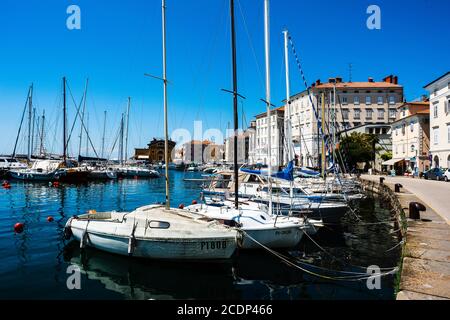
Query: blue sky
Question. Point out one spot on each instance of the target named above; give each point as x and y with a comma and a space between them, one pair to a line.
121, 40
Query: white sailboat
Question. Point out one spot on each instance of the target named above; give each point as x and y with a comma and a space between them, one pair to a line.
259, 226
156, 231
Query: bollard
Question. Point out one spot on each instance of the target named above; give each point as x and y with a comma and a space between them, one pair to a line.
381, 180
414, 210
398, 186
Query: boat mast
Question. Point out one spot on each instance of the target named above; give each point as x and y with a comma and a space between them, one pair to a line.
288, 124
235, 107
166, 124
323, 138
87, 134
41, 149
82, 119
268, 103
103, 138
33, 121
121, 140
30, 111
64, 121
128, 124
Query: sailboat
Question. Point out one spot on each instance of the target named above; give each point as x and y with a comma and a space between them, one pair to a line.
258, 225
156, 231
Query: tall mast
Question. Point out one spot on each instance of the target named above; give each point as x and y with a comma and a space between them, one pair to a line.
82, 118
288, 124
323, 165
288, 97
128, 125
121, 140
64, 121
87, 134
103, 138
41, 149
166, 124
33, 131
30, 116
268, 103
235, 106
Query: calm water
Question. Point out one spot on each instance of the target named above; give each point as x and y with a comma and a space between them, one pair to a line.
33, 264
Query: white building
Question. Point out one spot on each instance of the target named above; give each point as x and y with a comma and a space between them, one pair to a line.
258, 143
357, 104
410, 138
439, 91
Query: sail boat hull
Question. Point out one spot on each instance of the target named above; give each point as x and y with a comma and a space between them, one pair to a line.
278, 238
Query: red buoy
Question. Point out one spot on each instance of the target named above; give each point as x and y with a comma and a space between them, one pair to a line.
6, 186
194, 202
50, 219
18, 227
56, 184
181, 206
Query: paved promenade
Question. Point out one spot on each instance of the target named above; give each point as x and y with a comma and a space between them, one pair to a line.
435, 194
426, 257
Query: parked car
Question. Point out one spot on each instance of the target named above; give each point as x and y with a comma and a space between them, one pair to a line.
447, 175
434, 174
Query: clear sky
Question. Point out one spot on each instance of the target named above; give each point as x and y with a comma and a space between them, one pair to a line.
120, 40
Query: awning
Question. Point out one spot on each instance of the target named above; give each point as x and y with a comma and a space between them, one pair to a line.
391, 162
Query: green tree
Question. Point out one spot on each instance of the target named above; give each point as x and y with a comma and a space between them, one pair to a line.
386, 156
358, 147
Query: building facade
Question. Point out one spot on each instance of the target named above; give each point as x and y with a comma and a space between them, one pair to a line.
244, 144
411, 138
154, 153
439, 91
258, 141
200, 152
357, 104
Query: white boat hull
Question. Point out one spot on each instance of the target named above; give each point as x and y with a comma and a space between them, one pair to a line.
271, 238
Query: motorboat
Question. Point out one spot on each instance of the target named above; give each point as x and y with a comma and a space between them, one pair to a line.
154, 232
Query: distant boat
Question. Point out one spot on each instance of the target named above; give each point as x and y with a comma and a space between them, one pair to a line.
102, 174
135, 171
41, 170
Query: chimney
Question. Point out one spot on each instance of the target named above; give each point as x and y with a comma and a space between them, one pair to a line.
425, 98
338, 80
313, 85
389, 79
370, 80
318, 82
395, 80
332, 80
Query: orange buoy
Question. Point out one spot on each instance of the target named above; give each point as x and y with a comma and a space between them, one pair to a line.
194, 201
181, 206
18, 227
6, 186
50, 219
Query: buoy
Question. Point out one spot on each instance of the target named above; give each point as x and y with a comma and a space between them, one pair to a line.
56, 184
194, 202
50, 219
7, 186
18, 227
181, 206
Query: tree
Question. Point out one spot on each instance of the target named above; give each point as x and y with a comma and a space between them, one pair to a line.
358, 147
386, 156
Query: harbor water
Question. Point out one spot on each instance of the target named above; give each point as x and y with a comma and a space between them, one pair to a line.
34, 264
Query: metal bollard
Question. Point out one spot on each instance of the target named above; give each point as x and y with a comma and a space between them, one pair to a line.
414, 210
398, 186
381, 180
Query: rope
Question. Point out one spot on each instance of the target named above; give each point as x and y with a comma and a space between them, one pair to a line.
292, 264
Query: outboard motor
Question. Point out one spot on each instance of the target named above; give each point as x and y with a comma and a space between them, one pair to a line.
414, 210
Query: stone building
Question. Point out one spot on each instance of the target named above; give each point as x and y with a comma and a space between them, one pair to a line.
154, 153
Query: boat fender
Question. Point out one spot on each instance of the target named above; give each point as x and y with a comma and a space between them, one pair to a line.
240, 238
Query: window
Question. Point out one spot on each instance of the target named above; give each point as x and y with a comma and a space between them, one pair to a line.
369, 114
447, 105
411, 126
380, 100
380, 114
357, 114
391, 100
403, 112
413, 148
396, 131
356, 100
345, 114
403, 129
436, 136
344, 100
159, 224
403, 148
368, 100
448, 133
435, 110
392, 113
